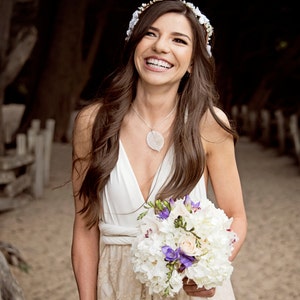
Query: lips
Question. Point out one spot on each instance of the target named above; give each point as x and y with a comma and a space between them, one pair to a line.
158, 64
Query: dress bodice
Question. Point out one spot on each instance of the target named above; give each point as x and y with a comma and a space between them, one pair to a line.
122, 199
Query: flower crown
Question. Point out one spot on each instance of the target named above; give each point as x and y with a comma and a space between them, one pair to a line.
203, 20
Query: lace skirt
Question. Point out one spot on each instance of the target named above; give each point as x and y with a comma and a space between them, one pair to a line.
116, 279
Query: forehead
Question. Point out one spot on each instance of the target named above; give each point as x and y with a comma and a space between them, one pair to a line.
174, 22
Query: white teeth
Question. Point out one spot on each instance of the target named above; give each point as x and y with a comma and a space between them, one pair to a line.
158, 63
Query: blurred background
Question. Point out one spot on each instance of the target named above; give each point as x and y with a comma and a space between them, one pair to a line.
54, 54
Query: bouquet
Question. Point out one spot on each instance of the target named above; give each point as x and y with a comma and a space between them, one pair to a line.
180, 239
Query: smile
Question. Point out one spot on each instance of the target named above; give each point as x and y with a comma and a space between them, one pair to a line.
157, 63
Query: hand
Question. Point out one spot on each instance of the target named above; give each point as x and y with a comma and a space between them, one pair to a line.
190, 287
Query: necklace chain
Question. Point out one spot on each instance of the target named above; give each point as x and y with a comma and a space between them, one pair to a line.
152, 128
154, 139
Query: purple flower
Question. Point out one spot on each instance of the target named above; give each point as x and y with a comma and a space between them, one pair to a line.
171, 201
170, 254
185, 260
164, 214
190, 205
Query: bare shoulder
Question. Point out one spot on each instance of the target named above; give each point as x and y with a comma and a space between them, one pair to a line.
82, 131
86, 116
209, 120
211, 130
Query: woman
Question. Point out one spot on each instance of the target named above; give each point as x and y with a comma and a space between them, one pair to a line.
155, 133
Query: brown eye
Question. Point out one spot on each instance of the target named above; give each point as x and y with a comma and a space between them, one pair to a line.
150, 33
180, 41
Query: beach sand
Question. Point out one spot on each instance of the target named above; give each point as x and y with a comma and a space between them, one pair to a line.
268, 266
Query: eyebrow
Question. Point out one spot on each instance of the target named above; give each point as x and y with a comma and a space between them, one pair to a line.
173, 33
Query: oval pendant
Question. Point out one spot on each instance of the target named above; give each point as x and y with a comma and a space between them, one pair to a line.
155, 140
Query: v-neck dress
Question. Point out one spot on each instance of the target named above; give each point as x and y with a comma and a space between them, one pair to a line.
122, 203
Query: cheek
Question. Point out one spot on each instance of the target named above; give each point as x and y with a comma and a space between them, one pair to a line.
186, 59
136, 59
140, 48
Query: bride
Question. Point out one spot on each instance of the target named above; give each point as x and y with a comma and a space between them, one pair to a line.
156, 132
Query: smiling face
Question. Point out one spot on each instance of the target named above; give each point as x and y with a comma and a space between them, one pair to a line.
164, 54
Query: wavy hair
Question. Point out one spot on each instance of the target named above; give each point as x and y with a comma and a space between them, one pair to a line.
197, 94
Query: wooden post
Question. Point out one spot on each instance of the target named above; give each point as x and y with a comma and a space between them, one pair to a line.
48, 139
294, 129
244, 116
21, 144
31, 137
252, 124
280, 123
50, 125
38, 187
36, 125
235, 113
265, 125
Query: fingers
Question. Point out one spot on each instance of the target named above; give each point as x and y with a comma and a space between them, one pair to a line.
190, 287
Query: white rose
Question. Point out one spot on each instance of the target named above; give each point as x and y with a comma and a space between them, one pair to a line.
188, 245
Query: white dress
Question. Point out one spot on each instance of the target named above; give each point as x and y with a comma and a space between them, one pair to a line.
122, 203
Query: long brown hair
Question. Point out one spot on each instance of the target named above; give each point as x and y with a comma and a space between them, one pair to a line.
197, 94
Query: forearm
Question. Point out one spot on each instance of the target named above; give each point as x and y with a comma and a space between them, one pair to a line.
85, 259
86, 278
239, 226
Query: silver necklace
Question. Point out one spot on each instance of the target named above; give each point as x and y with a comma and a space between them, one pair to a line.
154, 139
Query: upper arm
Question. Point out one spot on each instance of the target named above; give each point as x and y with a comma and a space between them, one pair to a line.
82, 146
221, 165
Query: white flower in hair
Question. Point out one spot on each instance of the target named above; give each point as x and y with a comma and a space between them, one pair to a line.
203, 20
132, 23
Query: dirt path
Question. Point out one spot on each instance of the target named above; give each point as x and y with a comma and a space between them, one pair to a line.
267, 267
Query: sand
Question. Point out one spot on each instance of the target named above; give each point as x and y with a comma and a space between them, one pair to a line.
268, 266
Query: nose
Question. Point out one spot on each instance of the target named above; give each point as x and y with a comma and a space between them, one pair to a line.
161, 45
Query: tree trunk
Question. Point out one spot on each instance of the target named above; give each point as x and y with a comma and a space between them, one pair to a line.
6, 7
2, 150
66, 69
13, 56
9, 287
